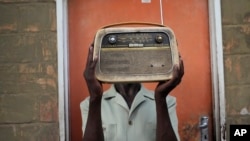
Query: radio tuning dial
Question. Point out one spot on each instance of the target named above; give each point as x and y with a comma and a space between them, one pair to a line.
112, 39
159, 39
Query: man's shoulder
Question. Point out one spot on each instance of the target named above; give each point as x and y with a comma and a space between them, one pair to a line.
171, 100
85, 103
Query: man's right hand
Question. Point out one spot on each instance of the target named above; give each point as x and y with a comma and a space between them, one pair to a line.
94, 85
93, 130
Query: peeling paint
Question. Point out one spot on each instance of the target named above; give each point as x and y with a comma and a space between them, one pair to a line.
52, 14
14, 130
26, 68
48, 110
230, 44
51, 82
245, 29
228, 64
51, 71
8, 27
247, 17
46, 53
42, 82
238, 70
245, 111
190, 131
32, 28
46, 81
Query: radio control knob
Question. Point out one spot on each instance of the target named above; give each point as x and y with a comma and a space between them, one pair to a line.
159, 39
112, 39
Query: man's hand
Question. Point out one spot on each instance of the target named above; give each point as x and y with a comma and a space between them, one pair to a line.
93, 130
164, 87
94, 85
164, 129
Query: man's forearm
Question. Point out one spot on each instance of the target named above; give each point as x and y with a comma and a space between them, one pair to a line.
93, 130
164, 129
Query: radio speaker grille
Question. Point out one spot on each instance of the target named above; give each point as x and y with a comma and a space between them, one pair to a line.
146, 61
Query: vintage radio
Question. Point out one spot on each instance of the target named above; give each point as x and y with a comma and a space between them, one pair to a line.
135, 54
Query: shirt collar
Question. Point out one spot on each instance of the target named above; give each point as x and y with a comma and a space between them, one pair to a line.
111, 93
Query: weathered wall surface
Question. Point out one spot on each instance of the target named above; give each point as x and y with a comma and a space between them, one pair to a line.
236, 43
28, 71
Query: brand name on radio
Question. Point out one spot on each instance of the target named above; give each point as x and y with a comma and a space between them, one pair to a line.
135, 45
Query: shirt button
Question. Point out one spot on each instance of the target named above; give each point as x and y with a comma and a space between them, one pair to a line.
130, 122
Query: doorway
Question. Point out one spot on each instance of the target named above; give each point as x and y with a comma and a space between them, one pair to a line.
188, 19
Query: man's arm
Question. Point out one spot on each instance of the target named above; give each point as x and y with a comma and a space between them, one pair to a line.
164, 129
93, 130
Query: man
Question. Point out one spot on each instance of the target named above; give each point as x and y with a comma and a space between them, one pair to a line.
128, 111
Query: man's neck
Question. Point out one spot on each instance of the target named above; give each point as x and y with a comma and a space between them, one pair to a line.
128, 91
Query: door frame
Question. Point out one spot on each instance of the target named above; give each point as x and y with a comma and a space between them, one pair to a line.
217, 69
63, 69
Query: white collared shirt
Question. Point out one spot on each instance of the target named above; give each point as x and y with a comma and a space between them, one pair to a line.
135, 124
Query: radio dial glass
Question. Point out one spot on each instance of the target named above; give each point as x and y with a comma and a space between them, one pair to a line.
112, 39
142, 39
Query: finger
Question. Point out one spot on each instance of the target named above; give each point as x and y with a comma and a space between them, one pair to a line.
93, 63
176, 70
172, 80
180, 72
176, 75
181, 68
90, 56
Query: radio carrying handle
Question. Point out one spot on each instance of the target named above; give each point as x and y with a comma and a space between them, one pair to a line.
134, 23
